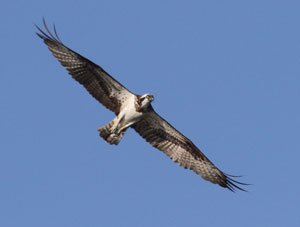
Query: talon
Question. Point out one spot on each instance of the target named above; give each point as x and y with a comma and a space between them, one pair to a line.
114, 131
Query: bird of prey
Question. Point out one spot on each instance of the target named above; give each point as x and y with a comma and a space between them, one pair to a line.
134, 111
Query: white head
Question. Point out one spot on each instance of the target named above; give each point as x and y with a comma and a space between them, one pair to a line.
145, 100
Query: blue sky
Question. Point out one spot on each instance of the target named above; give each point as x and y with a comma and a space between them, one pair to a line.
225, 73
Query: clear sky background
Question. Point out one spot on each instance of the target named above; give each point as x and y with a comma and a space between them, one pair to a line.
225, 73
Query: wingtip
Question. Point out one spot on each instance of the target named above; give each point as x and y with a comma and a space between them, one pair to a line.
47, 35
232, 184
39, 35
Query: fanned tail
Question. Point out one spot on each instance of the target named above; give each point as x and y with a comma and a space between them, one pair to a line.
108, 136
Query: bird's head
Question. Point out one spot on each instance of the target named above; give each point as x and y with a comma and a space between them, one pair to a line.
148, 97
145, 100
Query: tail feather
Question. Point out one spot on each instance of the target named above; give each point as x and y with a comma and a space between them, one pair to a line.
111, 138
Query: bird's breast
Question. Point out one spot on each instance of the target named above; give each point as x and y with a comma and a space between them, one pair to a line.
130, 113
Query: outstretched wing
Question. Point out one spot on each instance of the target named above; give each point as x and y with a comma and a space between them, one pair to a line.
160, 134
99, 83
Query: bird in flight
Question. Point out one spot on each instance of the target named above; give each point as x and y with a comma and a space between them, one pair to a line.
134, 111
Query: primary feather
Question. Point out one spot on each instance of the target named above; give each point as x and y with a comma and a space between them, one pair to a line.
134, 111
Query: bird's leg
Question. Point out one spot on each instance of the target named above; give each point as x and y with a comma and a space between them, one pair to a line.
114, 128
124, 127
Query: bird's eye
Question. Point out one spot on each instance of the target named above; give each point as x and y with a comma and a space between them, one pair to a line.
148, 96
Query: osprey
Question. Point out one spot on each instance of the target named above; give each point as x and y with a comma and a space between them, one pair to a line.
134, 111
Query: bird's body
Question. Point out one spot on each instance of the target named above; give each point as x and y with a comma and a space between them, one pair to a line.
131, 112
134, 111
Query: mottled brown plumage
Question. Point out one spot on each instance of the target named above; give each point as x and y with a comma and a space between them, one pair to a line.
134, 111
99, 83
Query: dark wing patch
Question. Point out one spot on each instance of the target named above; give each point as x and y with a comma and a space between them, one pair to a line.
99, 83
160, 134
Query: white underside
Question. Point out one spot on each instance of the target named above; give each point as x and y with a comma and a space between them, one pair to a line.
128, 116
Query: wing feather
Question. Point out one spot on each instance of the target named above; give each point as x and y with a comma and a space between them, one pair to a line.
97, 82
160, 134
